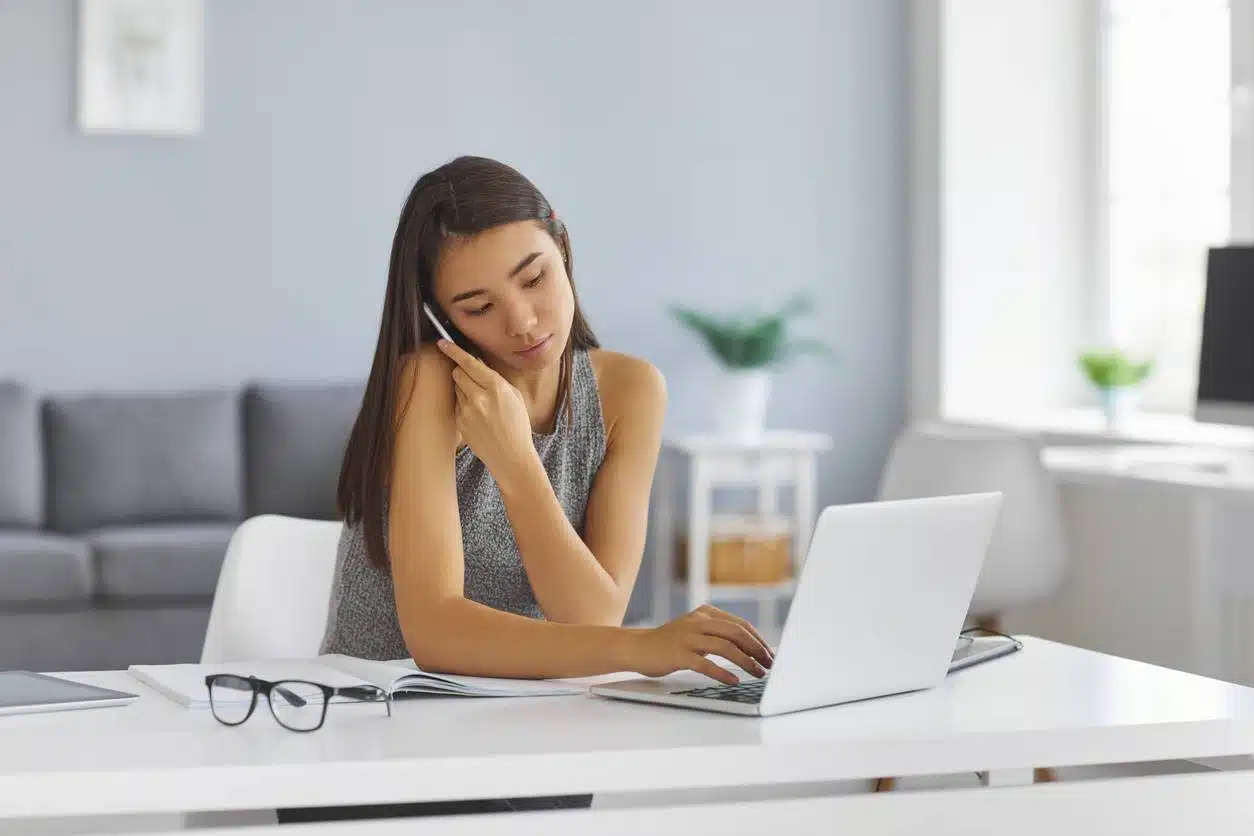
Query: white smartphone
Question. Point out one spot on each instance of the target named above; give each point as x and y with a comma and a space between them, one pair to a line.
436, 322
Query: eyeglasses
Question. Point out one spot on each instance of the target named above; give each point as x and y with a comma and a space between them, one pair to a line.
296, 704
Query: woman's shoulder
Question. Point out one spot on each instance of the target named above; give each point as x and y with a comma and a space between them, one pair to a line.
425, 356
619, 374
425, 373
629, 386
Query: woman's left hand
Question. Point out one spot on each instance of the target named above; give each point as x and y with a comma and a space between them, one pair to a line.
491, 414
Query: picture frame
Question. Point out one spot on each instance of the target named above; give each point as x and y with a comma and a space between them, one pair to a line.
141, 67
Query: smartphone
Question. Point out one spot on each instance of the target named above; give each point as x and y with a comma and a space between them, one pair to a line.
438, 325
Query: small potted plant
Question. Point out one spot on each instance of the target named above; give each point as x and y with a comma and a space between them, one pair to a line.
749, 347
1117, 378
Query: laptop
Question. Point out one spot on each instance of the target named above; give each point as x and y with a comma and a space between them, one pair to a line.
878, 609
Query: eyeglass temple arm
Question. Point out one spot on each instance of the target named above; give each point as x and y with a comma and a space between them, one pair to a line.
367, 693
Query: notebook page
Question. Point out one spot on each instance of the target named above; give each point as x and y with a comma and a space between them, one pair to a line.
185, 683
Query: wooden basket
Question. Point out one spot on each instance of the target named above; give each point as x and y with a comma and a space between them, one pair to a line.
744, 550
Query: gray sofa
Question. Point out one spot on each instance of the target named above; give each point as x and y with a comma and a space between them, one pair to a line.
116, 510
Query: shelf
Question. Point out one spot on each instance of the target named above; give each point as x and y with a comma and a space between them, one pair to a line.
725, 592
771, 441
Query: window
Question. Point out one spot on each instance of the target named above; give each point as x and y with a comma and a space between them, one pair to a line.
1166, 121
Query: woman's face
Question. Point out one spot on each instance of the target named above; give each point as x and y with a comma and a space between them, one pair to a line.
507, 290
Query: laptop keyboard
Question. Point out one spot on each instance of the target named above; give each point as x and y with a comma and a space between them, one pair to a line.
749, 691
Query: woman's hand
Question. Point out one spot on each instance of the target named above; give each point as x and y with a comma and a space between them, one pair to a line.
682, 644
491, 414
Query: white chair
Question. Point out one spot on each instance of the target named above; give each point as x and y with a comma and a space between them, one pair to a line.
272, 595
270, 603
1026, 559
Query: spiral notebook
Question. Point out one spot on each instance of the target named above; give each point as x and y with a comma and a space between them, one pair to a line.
972, 650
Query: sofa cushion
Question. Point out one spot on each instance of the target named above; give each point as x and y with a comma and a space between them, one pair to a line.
37, 567
118, 459
159, 559
21, 458
295, 437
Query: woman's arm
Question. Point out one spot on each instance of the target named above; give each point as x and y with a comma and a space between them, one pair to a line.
589, 580
446, 632
442, 629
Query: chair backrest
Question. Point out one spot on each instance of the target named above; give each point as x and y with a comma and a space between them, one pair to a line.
1026, 558
272, 595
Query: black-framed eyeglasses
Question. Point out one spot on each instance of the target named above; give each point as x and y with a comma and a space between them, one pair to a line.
296, 704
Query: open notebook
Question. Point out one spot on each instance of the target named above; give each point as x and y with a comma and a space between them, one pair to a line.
185, 684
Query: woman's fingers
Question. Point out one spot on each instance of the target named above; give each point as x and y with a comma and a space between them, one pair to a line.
727, 626
472, 366
743, 623
753, 631
733, 654
464, 382
703, 665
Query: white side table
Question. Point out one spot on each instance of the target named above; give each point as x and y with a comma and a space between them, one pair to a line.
777, 459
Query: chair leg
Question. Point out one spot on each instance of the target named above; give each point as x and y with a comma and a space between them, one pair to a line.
1044, 775
885, 784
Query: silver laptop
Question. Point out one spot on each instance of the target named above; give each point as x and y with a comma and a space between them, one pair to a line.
880, 601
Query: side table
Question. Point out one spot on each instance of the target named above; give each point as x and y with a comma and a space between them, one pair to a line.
777, 459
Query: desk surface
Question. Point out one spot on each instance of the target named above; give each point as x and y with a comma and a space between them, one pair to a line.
1048, 704
1229, 473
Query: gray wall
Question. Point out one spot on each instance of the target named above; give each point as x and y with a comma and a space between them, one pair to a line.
714, 152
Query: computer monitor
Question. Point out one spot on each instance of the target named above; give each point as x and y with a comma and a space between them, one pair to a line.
1225, 379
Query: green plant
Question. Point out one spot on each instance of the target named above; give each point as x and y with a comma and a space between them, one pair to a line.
752, 340
1113, 369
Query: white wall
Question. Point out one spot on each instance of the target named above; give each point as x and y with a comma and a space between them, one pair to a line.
1003, 230
717, 153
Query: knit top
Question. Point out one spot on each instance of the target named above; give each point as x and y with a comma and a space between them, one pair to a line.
362, 618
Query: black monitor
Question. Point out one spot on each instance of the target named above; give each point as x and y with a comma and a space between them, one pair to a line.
1225, 378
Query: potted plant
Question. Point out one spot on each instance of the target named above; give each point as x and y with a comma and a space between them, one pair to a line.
1117, 378
749, 347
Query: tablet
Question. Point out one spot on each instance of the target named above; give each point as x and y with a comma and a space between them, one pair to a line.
25, 692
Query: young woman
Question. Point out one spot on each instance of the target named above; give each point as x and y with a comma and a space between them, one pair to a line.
495, 488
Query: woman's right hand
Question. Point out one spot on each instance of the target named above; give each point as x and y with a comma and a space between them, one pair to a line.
682, 644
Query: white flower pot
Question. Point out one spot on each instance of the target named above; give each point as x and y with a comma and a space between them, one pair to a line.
1119, 403
740, 400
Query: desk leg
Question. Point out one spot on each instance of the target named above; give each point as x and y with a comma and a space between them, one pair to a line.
768, 602
804, 507
699, 487
663, 537
1212, 639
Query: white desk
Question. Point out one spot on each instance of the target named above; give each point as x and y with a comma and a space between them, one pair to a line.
1202, 471
1047, 705
1208, 480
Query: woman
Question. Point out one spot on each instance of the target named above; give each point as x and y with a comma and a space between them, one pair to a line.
495, 493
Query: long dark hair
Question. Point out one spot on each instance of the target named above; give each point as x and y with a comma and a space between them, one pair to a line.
463, 197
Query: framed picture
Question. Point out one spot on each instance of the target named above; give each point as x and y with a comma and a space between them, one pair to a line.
141, 67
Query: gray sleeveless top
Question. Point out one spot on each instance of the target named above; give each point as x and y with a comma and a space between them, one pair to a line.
362, 618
